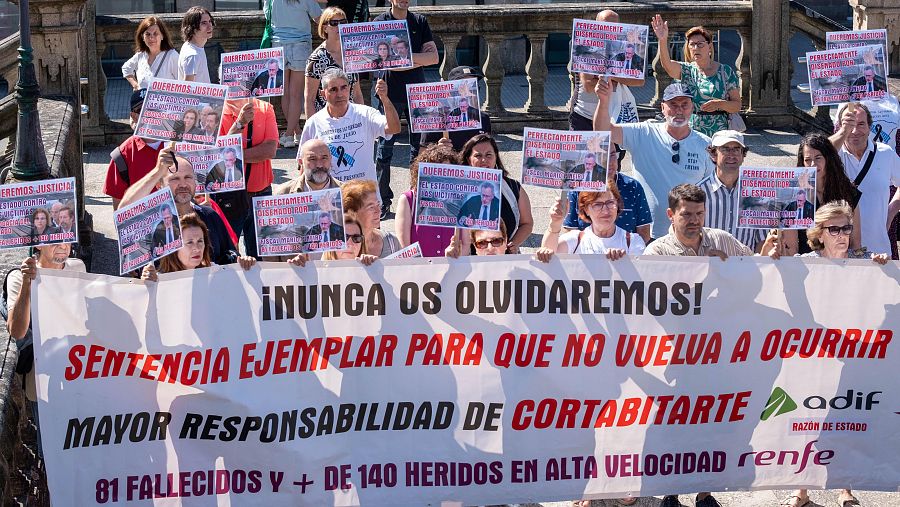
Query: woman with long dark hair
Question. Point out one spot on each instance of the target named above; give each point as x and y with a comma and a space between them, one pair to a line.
154, 55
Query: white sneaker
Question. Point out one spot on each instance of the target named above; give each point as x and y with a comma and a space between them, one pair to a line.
287, 141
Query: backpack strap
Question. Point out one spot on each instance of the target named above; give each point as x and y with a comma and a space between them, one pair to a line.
865, 170
121, 165
578, 243
627, 240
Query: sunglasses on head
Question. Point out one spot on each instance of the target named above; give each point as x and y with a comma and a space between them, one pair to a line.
676, 157
336, 22
834, 230
481, 244
356, 238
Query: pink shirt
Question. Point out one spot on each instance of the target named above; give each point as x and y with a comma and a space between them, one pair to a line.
432, 240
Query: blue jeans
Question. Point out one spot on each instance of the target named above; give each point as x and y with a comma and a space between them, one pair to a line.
384, 153
246, 225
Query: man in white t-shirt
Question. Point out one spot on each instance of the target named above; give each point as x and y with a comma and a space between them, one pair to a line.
196, 29
349, 129
853, 145
664, 154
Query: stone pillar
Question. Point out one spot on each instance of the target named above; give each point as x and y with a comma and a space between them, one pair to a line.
770, 59
743, 67
95, 89
872, 14
536, 71
450, 41
56, 27
493, 75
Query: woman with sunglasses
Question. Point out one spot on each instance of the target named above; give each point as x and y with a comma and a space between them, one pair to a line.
483, 242
355, 247
600, 210
361, 199
515, 207
715, 85
328, 55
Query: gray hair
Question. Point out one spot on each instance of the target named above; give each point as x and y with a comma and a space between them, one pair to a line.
331, 74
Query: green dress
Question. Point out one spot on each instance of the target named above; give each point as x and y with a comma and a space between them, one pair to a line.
706, 88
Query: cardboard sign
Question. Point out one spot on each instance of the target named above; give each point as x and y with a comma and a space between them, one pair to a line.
380, 45
148, 230
445, 106
255, 73
216, 169
777, 197
299, 223
564, 159
458, 196
38, 213
844, 75
609, 49
182, 111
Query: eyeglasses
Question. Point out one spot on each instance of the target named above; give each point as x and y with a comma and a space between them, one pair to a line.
834, 230
336, 22
676, 157
481, 244
356, 238
697, 45
729, 150
610, 205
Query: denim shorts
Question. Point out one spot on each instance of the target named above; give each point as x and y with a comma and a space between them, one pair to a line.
295, 54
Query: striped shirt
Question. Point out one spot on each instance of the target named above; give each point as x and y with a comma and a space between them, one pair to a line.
711, 239
722, 211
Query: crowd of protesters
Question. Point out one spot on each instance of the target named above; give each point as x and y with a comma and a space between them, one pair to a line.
681, 200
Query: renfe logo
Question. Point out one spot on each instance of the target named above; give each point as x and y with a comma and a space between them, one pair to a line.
780, 402
765, 458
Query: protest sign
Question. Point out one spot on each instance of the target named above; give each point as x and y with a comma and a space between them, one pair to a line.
476, 380
777, 197
219, 168
855, 38
298, 223
609, 49
885, 119
458, 196
379, 45
409, 252
148, 230
564, 159
842, 75
254, 73
182, 111
444, 106
38, 213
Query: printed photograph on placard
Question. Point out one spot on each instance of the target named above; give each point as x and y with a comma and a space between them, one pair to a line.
182, 111
458, 196
148, 230
379, 45
849, 74
38, 213
609, 49
410, 252
216, 169
299, 223
563, 159
444, 106
777, 197
255, 73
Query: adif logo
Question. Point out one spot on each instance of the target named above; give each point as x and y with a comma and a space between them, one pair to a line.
779, 403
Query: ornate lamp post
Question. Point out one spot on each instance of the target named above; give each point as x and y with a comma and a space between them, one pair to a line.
30, 162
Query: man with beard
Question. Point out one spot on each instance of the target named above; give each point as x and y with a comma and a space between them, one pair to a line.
664, 154
315, 170
177, 173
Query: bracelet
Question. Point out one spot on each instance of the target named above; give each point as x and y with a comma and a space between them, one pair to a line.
551, 231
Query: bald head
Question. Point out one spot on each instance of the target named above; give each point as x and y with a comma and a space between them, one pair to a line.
315, 161
610, 16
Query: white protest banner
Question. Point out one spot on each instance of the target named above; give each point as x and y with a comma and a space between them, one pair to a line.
38, 213
609, 49
219, 168
148, 230
294, 223
177, 110
444, 106
855, 38
478, 380
842, 75
563, 159
458, 196
379, 45
254, 73
777, 197
410, 252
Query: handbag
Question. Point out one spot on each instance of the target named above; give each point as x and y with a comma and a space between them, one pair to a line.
735, 122
268, 32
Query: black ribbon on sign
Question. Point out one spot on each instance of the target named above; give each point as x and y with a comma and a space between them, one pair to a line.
877, 132
341, 160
